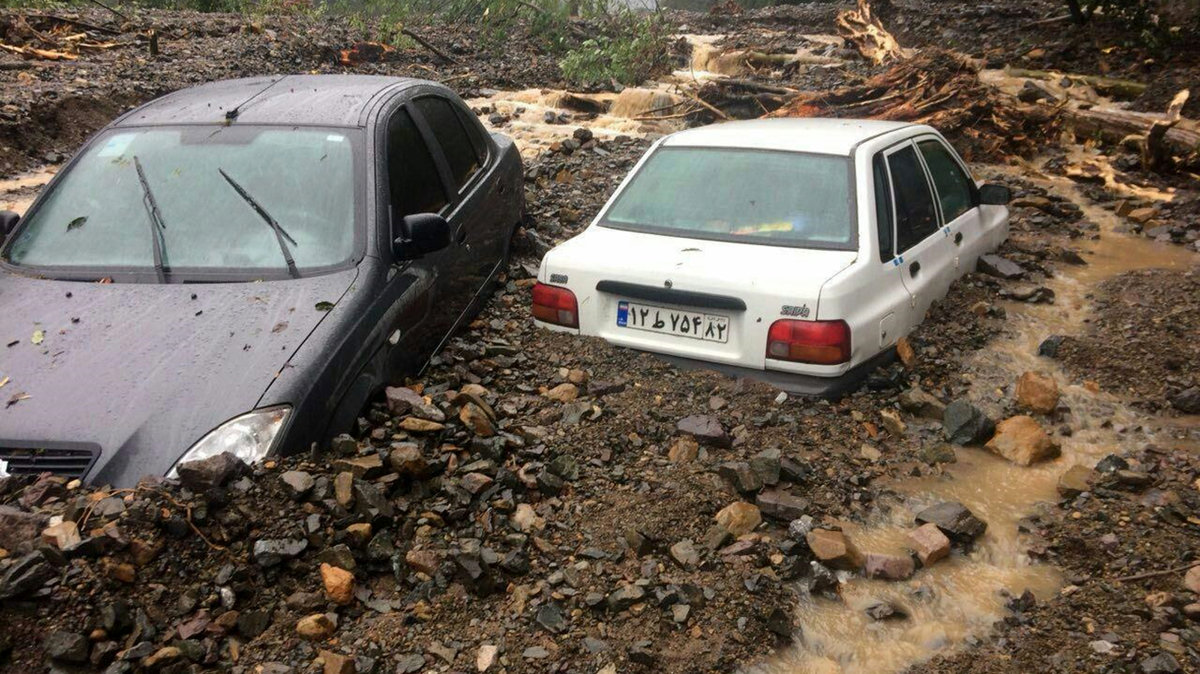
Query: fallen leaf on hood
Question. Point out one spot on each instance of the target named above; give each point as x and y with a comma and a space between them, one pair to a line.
280, 326
324, 306
77, 223
3, 382
38, 336
17, 397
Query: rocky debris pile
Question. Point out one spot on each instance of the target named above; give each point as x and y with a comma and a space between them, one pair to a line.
1141, 340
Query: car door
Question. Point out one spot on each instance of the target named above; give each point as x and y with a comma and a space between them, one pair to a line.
958, 203
921, 247
419, 292
891, 304
476, 223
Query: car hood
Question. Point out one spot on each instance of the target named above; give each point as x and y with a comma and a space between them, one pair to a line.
143, 371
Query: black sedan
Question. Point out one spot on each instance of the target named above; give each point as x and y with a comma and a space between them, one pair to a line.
239, 266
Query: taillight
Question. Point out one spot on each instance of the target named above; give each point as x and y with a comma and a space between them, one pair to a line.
817, 342
552, 304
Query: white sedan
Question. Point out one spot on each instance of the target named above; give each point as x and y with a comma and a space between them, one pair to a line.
797, 251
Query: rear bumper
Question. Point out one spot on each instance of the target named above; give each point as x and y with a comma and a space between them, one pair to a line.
793, 383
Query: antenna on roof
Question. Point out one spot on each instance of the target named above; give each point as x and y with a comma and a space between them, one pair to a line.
232, 113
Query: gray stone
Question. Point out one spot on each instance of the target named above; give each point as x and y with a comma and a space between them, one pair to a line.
410, 663
767, 465
551, 618
1049, 346
917, 402
684, 553
743, 478
298, 483
781, 505
994, 265
1187, 400
402, 400
624, 596
954, 519
270, 552
66, 646
966, 424
27, 574
1163, 663
19, 529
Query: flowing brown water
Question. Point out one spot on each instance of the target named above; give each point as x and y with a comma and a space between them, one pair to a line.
959, 599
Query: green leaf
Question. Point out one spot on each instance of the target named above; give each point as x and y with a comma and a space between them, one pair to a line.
76, 223
324, 306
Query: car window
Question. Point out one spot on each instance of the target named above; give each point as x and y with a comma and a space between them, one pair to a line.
475, 132
732, 194
916, 216
451, 136
952, 183
211, 185
883, 209
416, 186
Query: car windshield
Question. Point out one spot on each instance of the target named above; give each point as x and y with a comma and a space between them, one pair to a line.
198, 201
751, 196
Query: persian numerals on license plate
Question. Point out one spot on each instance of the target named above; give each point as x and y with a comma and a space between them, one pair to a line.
692, 324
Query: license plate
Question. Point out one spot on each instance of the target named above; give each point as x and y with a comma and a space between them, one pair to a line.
692, 324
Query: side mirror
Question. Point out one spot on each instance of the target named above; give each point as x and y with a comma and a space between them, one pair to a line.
421, 234
8, 222
994, 195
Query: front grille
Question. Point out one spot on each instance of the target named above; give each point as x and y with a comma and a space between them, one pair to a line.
71, 461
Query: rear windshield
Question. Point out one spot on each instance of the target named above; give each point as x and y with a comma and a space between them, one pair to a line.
750, 196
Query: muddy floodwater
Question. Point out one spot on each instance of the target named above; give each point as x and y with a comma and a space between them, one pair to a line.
957, 601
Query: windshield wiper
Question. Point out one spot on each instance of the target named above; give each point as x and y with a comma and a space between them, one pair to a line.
280, 232
157, 226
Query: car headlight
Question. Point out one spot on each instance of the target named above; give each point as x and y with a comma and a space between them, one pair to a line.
249, 437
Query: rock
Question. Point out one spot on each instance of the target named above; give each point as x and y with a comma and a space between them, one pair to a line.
779, 623
1076, 480
833, 549
1163, 663
212, 472
361, 467
938, 453
406, 459
525, 519
919, 403
684, 450
624, 596
315, 627
706, 430
1049, 346
739, 518
410, 663
250, 624
892, 422
418, 425
1020, 439
339, 584
476, 482
19, 529
423, 561
1133, 478
343, 489
1191, 579
994, 265
298, 483
1038, 392
905, 352
336, 663
1142, 215
27, 574
270, 552
885, 611
741, 476
551, 618
63, 535
642, 653
767, 465
954, 519
1186, 401
563, 393
781, 505
485, 657
1111, 464
402, 400
684, 553
929, 543
66, 646
966, 424
477, 420
889, 567
162, 657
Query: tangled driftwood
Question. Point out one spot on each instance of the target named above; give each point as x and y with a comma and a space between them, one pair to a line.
862, 29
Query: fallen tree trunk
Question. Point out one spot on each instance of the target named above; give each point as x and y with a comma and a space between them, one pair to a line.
860, 28
1115, 125
1108, 86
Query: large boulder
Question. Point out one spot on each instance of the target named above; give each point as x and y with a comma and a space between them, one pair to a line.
18, 528
212, 472
833, 549
1020, 439
954, 519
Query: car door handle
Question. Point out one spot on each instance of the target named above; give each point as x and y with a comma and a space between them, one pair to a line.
958, 238
913, 269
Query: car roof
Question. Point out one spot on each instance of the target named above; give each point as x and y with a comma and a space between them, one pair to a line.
316, 100
816, 135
